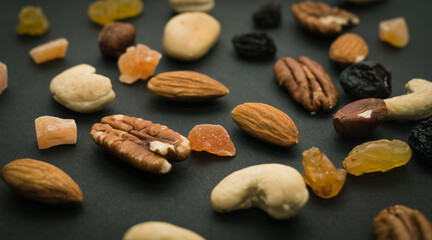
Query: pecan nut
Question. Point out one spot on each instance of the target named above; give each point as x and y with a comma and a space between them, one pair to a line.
307, 82
320, 18
400, 222
145, 145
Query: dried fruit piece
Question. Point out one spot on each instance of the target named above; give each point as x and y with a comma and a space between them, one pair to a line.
420, 139
53, 131
105, 11
41, 181
381, 155
115, 38
348, 49
145, 145
320, 174
401, 223
269, 15
3, 77
48, 51
254, 45
366, 80
394, 31
138, 62
211, 138
32, 21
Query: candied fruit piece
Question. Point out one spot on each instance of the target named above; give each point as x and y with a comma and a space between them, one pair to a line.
106, 11
3, 77
32, 21
381, 155
53, 131
320, 174
138, 62
211, 138
394, 31
49, 51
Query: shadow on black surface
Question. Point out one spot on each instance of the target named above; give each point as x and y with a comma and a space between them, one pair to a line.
378, 180
164, 105
205, 158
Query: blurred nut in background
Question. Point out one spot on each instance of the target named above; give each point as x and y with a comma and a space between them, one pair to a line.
191, 5
115, 37
348, 49
3, 77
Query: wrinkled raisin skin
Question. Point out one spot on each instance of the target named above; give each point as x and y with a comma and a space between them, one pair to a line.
254, 45
420, 139
366, 80
269, 15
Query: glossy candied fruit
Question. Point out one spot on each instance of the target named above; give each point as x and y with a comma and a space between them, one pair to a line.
381, 155
106, 11
394, 31
320, 174
53, 131
138, 62
211, 138
49, 51
32, 21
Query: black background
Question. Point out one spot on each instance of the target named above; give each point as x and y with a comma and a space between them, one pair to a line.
116, 196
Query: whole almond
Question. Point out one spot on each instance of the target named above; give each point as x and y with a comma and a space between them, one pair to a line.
187, 86
348, 49
41, 181
266, 123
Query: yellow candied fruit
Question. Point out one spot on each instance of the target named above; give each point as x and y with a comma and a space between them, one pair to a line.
381, 155
394, 31
103, 12
320, 174
32, 21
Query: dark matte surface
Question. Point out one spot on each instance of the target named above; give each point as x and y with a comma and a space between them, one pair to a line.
116, 196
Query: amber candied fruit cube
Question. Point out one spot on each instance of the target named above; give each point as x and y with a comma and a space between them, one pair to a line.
211, 138
53, 131
394, 31
138, 62
32, 21
49, 51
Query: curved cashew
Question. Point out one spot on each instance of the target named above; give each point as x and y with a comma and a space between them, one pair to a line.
159, 231
415, 105
277, 189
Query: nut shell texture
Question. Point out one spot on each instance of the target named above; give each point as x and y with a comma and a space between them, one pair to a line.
277, 189
41, 181
159, 231
266, 123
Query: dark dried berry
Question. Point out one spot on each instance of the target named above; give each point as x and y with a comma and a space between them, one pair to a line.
115, 38
254, 45
366, 80
420, 139
269, 15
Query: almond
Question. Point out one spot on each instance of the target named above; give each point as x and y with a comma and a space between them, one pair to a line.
266, 123
186, 86
348, 49
41, 181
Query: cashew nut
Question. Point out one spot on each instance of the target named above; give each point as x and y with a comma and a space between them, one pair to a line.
277, 189
159, 231
415, 105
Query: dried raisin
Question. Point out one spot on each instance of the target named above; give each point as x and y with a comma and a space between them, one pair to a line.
32, 21
269, 15
420, 139
254, 45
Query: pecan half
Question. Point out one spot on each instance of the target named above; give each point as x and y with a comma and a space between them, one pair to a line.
402, 223
145, 145
320, 18
307, 82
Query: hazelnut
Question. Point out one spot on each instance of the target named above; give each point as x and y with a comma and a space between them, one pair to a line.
115, 37
360, 118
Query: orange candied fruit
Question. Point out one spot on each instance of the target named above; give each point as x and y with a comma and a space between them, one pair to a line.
53, 131
211, 138
320, 174
50, 50
138, 62
394, 31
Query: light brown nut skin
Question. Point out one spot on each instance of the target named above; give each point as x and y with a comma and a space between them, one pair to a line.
3, 77
320, 18
115, 38
266, 123
348, 49
159, 231
360, 118
41, 181
145, 145
402, 223
186, 86
307, 82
